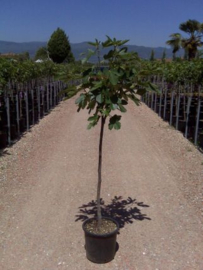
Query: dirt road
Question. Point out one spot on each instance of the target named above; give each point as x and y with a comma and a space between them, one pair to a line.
152, 174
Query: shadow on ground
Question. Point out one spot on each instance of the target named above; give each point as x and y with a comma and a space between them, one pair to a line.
4, 152
123, 211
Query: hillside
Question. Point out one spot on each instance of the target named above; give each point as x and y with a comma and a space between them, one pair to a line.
78, 48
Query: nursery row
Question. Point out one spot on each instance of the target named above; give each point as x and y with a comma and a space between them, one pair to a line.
20, 109
183, 110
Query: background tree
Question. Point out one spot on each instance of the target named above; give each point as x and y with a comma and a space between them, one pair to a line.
175, 43
152, 56
59, 47
70, 58
194, 29
199, 54
42, 53
24, 56
164, 56
190, 44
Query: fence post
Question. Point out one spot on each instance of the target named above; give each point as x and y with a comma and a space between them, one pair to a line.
47, 97
8, 119
50, 96
171, 110
197, 120
177, 110
165, 102
155, 101
43, 89
18, 114
147, 98
60, 95
38, 103
33, 111
160, 103
152, 100
187, 112
54, 84
27, 109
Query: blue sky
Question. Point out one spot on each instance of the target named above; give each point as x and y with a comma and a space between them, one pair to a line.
144, 22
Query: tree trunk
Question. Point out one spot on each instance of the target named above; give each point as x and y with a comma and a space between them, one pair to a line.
191, 54
99, 216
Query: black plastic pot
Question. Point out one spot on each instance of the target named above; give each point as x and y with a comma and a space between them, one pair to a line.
181, 125
3, 140
201, 140
22, 124
100, 248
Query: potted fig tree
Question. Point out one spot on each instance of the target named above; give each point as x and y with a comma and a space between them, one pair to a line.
106, 91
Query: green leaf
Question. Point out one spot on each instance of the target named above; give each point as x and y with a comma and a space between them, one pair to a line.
111, 126
93, 118
122, 109
152, 87
84, 103
114, 119
141, 91
134, 99
87, 72
91, 104
107, 43
99, 98
90, 126
114, 122
109, 55
106, 112
122, 42
90, 53
96, 86
113, 106
117, 125
80, 99
92, 43
113, 77
106, 72
123, 51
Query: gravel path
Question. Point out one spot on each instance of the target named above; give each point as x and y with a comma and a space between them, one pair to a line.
150, 172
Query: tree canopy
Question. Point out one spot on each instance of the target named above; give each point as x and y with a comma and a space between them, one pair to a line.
59, 47
192, 42
42, 54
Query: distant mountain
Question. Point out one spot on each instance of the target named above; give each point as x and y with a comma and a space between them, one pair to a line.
14, 47
78, 48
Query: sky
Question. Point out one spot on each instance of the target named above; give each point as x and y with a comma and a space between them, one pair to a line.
143, 22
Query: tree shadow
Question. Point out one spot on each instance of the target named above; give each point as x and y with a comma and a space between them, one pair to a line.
4, 152
123, 211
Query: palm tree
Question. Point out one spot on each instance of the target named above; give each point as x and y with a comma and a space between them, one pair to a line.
194, 29
190, 44
175, 43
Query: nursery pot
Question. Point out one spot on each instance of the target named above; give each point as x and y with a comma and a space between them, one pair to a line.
3, 140
100, 248
22, 124
201, 140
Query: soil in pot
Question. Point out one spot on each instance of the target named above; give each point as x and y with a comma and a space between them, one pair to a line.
100, 243
107, 226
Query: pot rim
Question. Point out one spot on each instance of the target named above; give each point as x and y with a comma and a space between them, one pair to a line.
101, 235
